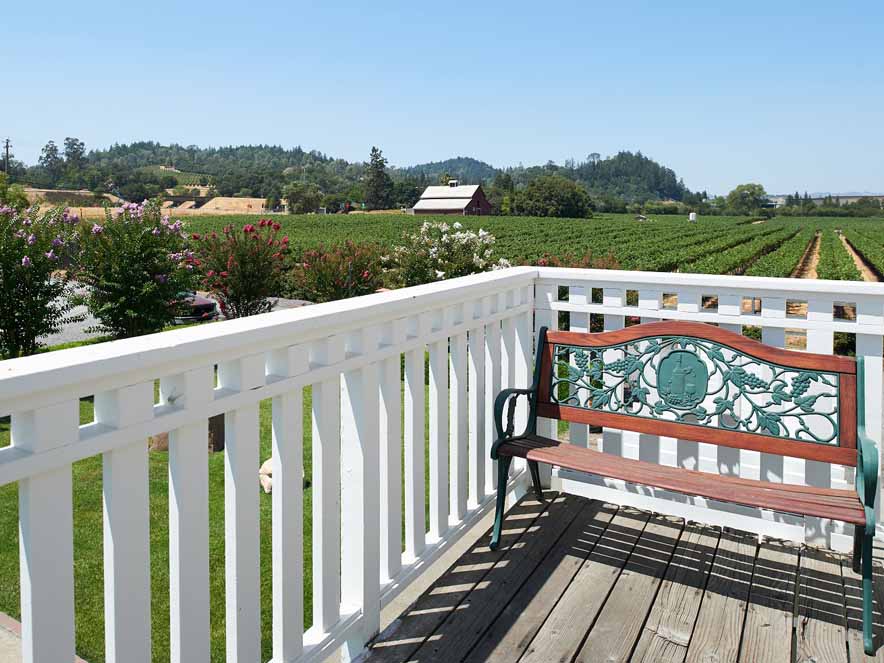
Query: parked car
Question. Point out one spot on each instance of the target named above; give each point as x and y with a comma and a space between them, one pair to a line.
197, 308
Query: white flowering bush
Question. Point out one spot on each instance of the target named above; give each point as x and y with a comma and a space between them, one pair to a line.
34, 250
441, 251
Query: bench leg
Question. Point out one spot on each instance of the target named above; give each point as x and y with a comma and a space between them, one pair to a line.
868, 603
535, 479
858, 532
503, 471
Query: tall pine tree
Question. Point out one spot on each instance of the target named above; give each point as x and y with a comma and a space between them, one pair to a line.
378, 185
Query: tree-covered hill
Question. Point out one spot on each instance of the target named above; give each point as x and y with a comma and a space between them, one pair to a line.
133, 172
465, 169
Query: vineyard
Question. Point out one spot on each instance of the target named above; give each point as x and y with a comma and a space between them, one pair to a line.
713, 245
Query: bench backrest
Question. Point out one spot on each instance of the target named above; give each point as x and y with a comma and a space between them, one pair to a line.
698, 382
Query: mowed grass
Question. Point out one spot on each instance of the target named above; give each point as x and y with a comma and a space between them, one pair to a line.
88, 544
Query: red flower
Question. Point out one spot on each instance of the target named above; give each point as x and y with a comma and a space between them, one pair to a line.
223, 275
276, 226
211, 272
248, 228
365, 274
285, 240
195, 236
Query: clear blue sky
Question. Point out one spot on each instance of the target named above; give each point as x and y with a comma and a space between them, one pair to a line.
789, 94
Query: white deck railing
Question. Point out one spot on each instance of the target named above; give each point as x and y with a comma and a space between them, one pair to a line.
478, 332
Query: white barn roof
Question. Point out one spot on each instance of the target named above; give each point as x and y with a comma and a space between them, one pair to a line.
463, 191
441, 203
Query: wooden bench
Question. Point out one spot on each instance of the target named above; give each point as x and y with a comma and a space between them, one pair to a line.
697, 382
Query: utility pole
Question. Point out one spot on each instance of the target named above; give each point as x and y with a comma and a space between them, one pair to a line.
6, 145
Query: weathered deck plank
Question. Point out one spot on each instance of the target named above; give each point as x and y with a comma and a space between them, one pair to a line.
578, 580
820, 634
564, 630
463, 627
406, 634
669, 627
516, 626
767, 633
722, 611
620, 623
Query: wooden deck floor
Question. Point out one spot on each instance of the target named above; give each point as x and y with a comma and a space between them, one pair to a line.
578, 580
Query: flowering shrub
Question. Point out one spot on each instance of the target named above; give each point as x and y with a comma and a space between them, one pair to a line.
33, 289
439, 251
136, 267
323, 275
242, 268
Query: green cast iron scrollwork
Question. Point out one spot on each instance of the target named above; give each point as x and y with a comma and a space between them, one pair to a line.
696, 381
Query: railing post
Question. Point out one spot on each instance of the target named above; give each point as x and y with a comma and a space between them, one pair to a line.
126, 528
360, 497
46, 548
287, 510
189, 517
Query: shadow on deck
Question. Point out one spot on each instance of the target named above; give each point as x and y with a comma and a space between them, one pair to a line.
578, 580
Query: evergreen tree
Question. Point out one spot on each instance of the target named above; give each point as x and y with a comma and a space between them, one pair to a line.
378, 185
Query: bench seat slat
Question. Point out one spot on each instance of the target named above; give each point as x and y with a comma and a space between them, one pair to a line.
842, 505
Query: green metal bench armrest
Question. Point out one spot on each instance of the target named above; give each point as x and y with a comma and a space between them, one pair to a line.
867, 478
504, 434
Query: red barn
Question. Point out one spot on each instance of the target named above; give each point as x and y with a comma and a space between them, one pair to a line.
453, 198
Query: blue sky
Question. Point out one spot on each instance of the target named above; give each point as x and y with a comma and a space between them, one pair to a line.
789, 94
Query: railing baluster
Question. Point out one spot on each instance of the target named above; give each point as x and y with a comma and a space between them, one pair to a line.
477, 408
391, 454
327, 487
459, 437
438, 439
288, 507
524, 352
415, 501
492, 388
772, 467
617, 442
189, 517
360, 544
544, 296
242, 578
578, 434
46, 548
126, 528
